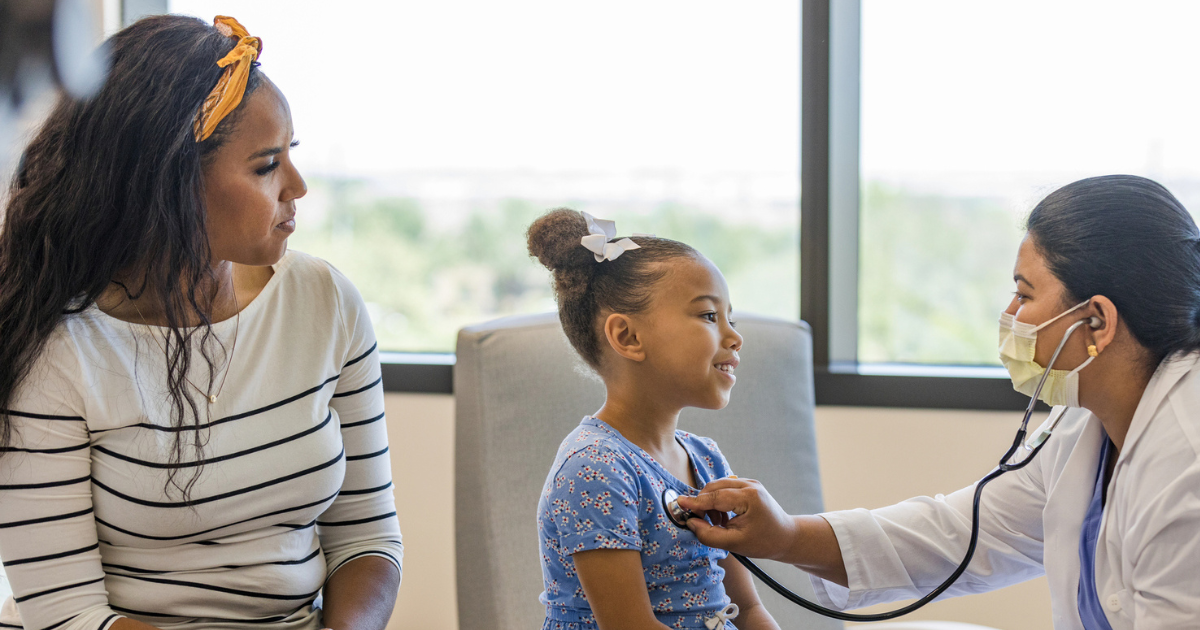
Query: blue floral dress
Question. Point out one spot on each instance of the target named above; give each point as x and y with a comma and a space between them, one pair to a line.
604, 492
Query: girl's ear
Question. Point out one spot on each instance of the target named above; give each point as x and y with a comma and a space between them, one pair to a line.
622, 336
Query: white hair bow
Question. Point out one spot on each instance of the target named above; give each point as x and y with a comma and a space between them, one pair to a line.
717, 621
600, 232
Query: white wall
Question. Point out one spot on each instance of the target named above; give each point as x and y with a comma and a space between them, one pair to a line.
875, 457
869, 458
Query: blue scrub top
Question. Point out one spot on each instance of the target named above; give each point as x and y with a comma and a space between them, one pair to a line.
1090, 610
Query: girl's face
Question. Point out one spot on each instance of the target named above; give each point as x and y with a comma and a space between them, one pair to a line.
251, 185
691, 345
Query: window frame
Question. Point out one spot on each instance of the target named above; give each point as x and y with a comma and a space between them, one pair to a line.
829, 212
829, 238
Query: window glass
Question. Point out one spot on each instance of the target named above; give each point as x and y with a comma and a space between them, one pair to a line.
433, 133
971, 113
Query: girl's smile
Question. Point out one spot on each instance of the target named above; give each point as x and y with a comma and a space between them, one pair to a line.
727, 367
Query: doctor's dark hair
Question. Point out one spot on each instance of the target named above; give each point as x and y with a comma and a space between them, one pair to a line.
110, 190
1129, 239
585, 288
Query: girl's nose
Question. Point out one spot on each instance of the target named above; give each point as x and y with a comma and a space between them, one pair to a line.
735, 339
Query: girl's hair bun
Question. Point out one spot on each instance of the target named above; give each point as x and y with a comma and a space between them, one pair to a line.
554, 239
585, 288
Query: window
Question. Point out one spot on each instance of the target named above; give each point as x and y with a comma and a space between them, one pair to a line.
433, 133
970, 114
931, 129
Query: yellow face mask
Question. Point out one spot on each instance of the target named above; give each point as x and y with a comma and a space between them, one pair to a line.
1018, 343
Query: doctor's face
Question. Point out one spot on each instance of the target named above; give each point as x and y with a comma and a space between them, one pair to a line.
1038, 297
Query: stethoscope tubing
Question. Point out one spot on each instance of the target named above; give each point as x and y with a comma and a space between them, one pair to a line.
899, 612
1004, 467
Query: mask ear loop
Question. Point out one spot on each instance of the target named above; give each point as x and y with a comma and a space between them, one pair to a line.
1093, 322
1062, 315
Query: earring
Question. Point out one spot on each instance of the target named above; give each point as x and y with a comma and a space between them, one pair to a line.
1092, 351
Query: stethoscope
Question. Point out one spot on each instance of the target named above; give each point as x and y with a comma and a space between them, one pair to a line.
679, 516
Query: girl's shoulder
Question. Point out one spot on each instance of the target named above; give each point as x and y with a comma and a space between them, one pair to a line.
590, 445
708, 453
698, 442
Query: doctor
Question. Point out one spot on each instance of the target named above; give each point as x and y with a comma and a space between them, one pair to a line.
1110, 509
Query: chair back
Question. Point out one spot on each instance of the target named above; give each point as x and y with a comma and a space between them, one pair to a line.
520, 389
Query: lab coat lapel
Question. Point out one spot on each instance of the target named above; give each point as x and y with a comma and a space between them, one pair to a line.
1168, 374
1066, 504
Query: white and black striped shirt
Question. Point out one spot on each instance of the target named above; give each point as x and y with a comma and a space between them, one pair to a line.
295, 483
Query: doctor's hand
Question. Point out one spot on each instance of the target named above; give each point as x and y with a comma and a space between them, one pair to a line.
760, 528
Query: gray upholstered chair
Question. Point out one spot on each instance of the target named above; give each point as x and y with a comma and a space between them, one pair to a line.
520, 389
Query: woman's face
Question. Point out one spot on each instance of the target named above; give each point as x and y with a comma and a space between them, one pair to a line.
691, 344
251, 185
1039, 297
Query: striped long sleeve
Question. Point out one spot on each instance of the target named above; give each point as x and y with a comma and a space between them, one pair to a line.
48, 536
101, 517
362, 520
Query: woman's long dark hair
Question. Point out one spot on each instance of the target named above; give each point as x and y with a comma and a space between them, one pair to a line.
111, 189
1129, 239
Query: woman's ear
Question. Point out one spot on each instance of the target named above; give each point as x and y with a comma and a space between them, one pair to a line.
622, 335
1103, 309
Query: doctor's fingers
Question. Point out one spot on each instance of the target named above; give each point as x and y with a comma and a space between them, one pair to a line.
727, 495
734, 500
729, 482
715, 536
750, 535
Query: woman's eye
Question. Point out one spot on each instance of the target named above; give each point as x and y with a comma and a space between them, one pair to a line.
268, 168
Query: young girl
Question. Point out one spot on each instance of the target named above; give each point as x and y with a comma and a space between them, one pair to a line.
651, 317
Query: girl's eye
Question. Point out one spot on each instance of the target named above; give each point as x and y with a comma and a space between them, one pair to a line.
732, 324
712, 317
268, 168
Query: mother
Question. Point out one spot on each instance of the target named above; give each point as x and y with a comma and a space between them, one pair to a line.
191, 416
1110, 508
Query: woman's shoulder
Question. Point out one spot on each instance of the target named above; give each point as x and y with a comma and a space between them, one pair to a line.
1173, 432
52, 386
299, 269
313, 282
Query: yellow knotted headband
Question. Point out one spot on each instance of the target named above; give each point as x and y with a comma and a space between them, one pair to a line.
226, 96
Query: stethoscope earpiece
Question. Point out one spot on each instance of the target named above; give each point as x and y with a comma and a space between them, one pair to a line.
1095, 323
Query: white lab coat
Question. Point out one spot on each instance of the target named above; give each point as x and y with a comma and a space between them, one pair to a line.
1148, 549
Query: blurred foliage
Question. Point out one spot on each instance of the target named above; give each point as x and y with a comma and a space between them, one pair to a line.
425, 276
935, 273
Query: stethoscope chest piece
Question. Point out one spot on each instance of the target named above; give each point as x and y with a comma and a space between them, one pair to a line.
677, 515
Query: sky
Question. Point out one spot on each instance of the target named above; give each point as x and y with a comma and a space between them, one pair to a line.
987, 93
1027, 90
624, 85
